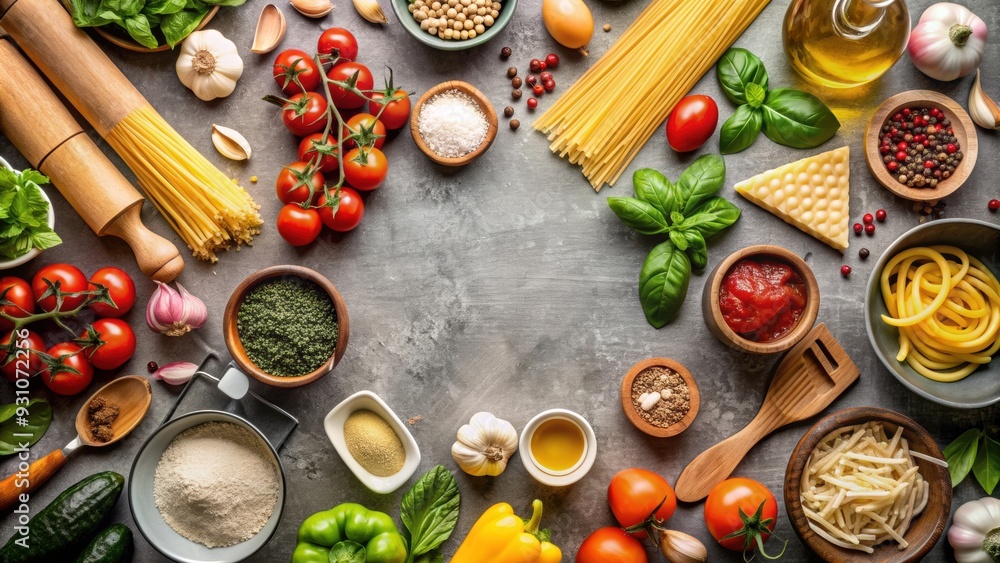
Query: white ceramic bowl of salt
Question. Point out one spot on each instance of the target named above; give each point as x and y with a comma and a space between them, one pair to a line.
147, 516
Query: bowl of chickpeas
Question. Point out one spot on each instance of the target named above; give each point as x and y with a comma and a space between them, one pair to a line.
453, 25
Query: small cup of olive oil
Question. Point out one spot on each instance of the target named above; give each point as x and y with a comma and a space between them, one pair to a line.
560, 447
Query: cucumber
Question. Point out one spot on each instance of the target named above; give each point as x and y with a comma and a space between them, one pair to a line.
67, 523
112, 545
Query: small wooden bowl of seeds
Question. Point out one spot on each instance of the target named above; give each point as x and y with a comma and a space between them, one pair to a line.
453, 123
660, 397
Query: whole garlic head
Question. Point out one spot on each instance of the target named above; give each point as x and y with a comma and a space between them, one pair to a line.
484, 445
209, 65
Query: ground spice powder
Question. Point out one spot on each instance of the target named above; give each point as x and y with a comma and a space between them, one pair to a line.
373, 443
101, 414
674, 396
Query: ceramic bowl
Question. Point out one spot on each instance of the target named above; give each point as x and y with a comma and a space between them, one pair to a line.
578, 471
147, 517
232, 336
125, 42
717, 324
965, 132
926, 528
334, 426
633, 416
400, 7
980, 239
484, 105
31, 254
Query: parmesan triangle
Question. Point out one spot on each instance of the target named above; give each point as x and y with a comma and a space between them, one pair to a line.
813, 194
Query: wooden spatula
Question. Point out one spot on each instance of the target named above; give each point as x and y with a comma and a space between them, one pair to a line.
813, 373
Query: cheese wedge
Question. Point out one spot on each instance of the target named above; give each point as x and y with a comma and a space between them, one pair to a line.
813, 194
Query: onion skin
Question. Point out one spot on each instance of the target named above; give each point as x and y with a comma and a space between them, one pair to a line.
569, 22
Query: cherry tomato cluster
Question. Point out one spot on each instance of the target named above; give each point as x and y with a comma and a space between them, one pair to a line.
332, 147
57, 292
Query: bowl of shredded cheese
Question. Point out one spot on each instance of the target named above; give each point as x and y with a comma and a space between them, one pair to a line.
868, 484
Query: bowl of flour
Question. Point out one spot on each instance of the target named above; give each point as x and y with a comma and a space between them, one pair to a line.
207, 487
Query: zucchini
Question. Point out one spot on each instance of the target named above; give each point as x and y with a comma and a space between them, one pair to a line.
113, 545
66, 523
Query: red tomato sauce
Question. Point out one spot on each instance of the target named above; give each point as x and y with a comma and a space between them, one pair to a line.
762, 300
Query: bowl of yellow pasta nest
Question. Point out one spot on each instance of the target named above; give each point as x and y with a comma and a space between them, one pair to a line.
932, 311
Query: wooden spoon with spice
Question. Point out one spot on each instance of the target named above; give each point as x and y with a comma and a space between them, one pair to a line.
108, 416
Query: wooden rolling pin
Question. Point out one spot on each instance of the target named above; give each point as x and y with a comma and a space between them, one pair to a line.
51, 140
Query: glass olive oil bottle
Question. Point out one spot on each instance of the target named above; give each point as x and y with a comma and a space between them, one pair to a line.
845, 43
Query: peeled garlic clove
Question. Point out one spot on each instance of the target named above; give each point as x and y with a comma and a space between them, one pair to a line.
312, 8
679, 547
982, 109
230, 143
371, 11
270, 30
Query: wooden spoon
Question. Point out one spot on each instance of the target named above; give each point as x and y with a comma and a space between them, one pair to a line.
133, 396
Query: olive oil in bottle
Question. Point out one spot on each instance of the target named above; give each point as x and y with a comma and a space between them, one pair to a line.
845, 43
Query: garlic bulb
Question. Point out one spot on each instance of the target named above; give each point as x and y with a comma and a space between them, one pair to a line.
679, 547
948, 42
371, 11
174, 311
484, 445
982, 108
975, 531
313, 8
209, 65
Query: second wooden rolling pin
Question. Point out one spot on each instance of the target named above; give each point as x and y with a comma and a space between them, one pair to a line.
51, 140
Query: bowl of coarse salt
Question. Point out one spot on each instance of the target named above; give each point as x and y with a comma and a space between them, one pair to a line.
453, 123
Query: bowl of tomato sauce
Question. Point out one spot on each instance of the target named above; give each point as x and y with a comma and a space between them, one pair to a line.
762, 299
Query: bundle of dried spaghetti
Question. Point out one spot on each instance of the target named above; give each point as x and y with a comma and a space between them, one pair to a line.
603, 120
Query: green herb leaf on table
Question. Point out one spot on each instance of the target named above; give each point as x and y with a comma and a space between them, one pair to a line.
755, 95
655, 189
347, 552
797, 119
37, 419
697, 249
740, 130
679, 241
430, 511
700, 181
24, 214
736, 69
663, 283
715, 215
986, 468
961, 454
638, 215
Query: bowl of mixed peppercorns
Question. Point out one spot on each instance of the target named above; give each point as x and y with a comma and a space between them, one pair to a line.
921, 145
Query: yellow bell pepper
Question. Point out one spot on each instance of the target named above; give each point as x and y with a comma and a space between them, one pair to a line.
500, 536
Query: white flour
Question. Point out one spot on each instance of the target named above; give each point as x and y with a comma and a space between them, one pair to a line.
452, 124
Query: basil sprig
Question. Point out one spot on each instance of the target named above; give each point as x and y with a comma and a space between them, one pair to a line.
687, 212
977, 452
146, 21
787, 116
429, 513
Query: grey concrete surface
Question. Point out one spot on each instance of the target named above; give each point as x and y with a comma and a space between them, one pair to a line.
508, 286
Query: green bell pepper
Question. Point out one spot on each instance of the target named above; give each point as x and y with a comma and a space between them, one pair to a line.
376, 531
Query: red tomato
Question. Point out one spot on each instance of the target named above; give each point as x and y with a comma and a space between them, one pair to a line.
292, 185
305, 114
348, 214
397, 110
323, 153
298, 226
346, 99
367, 131
722, 514
365, 171
70, 280
120, 287
25, 359
62, 380
18, 292
692, 122
117, 343
340, 39
635, 493
295, 72
611, 545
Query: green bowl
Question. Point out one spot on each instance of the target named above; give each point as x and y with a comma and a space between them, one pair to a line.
401, 8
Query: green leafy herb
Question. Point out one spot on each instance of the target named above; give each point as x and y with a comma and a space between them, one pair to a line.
737, 69
429, 513
638, 215
740, 130
655, 189
24, 214
974, 451
23, 425
138, 28
797, 119
987, 465
347, 552
176, 27
663, 283
151, 22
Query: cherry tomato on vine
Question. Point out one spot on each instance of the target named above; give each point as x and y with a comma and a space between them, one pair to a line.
18, 293
313, 148
298, 226
62, 381
25, 358
397, 111
118, 343
370, 131
611, 545
635, 493
340, 39
723, 518
365, 170
305, 114
349, 213
342, 72
292, 184
120, 287
70, 279
295, 72
692, 122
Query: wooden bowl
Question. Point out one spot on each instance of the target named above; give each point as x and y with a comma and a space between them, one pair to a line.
925, 530
633, 416
484, 105
235, 345
965, 132
717, 324
125, 42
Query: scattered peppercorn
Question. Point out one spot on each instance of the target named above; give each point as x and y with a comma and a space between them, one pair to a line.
863, 253
858, 228
516, 94
508, 111
515, 82
542, 65
845, 271
870, 229
868, 219
545, 76
880, 215
505, 53
607, 27
531, 79
537, 90
514, 124
994, 204
532, 103
535, 65
151, 367
512, 72
552, 60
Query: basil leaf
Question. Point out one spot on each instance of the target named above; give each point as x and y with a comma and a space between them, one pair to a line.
347, 552
124, 8
91, 13
700, 181
676, 217
797, 119
176, 27
164, 7
433, 557
638, 215
430, 511
34, 424
43, 237
655, 189
986, 468
721, 214
663, 283
697, 250
225, 2
679, 241
740, 130
736, 70
960, 455
755, 95
138, 29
